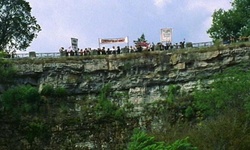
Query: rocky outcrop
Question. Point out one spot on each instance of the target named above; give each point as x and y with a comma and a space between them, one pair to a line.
141, 76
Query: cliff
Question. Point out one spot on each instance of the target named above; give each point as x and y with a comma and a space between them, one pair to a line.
85, 119
141, 76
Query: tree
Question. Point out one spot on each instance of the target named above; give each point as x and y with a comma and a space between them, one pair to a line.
141, 39
17, 26
231, 24
141, 42
140, 140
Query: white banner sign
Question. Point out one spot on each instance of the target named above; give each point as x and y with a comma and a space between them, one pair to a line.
74, 43
166, 35
113, 40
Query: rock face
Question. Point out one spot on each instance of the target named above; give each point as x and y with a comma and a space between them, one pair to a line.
141, 76
79, 122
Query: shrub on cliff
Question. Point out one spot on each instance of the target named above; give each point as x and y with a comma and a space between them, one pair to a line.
37, 132
105, 108
47, 90
53, 93
7, 72
20, 100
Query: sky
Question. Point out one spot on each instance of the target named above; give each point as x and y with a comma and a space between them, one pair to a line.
89, 20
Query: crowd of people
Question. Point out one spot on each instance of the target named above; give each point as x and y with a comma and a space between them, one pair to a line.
118, 50
169, 46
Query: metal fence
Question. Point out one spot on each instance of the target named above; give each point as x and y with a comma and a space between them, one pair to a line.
25, 55
202, 44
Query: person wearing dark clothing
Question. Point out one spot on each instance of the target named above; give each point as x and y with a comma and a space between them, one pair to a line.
66, 52
167, 46
139, 48
99, 51
118, 50
71, 53
103, 51
109, 51
76, 52
81, 52
153, 47
182, 44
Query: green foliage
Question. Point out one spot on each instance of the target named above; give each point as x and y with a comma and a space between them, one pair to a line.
141, 141
220, 113
17, 26
182, 144
64, 108
7, 72
105, 91
229, 130
245, 30
105, 108
227, 92
60, 92
232, 23
141, 39
2, 54
127, 65
172, 93
21, 99
189, 112
36, 130
50, 91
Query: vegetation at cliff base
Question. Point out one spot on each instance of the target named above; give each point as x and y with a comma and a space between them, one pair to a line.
142, 141
214, 117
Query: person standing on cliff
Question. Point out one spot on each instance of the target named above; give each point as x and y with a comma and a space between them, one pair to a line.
113, 50
118, 50
61, 51
152, 46
139, 48
108, 51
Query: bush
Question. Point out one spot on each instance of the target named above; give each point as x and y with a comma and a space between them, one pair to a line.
228, 91
60, 92
182, 144
51, 94
105, 108
141, 141
21, 99
36, 130
229, 130
7, 72
48, 90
